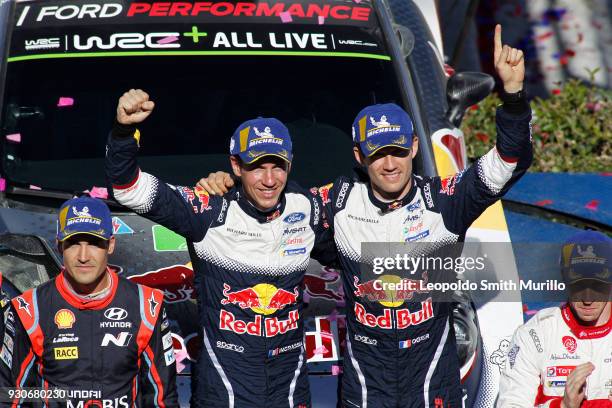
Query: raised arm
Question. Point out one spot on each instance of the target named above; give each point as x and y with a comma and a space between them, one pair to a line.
180, 209
464, 196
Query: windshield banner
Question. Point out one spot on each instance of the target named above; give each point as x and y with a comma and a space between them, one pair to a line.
195, 39
69, 13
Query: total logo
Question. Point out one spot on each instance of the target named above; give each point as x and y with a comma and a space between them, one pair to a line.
559, 371
398, 318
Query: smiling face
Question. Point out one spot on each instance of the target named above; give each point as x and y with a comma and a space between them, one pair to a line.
263, 180
85, 260
389, 169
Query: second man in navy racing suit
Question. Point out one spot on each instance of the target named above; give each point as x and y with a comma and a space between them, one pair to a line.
249, 250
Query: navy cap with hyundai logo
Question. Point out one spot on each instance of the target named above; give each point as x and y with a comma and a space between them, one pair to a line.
382, 125
84, 215
587, 255
261, 137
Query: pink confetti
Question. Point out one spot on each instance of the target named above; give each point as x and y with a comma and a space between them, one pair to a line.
336, 370
321, 20
180, 355
65, 101
606, 174
333, 315
14, 137
306, 297
167, 40
285, 17
33, 187
321, 350
357, 1
98, 192
542, 203
592, 205
531, 312
2, 184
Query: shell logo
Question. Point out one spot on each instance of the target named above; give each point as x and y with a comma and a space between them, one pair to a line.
64, 319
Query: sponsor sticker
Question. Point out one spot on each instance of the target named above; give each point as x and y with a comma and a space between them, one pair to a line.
169, 356
294, 217
64, 319
120, 227
66, 353
6, 356
167, 341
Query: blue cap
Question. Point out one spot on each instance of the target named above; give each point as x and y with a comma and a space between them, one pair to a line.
261, 137
379, 126
587, 255
84, 215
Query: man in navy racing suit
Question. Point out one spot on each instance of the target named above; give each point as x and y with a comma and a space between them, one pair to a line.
401, 352
249, 251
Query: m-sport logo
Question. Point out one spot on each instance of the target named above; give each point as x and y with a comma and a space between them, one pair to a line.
128, 41
115, 313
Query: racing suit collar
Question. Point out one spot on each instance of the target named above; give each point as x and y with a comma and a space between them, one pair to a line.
385, 206
80, 303
584, 332
251, 210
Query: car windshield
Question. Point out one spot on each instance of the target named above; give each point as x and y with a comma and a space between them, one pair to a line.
63, 83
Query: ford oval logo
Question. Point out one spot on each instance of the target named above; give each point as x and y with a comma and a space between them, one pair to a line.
115, 313
294, 217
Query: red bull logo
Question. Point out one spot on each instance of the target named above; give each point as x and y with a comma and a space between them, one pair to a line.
323, 192
268, 327
176, 281
399, 318
389, 290
203, 197
448, 185
262, 298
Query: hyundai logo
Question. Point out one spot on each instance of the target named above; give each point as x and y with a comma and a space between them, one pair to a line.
115, 313
294, 217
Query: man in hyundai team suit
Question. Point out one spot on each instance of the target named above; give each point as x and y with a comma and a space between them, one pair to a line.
102, 338
249, 251
400, 353
562, 357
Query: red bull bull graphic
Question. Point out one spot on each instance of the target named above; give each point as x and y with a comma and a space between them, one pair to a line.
316, 286
203, 199
262, 298
176, 281
323, 192
245, 298
283, 298
394, 318
390, 290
